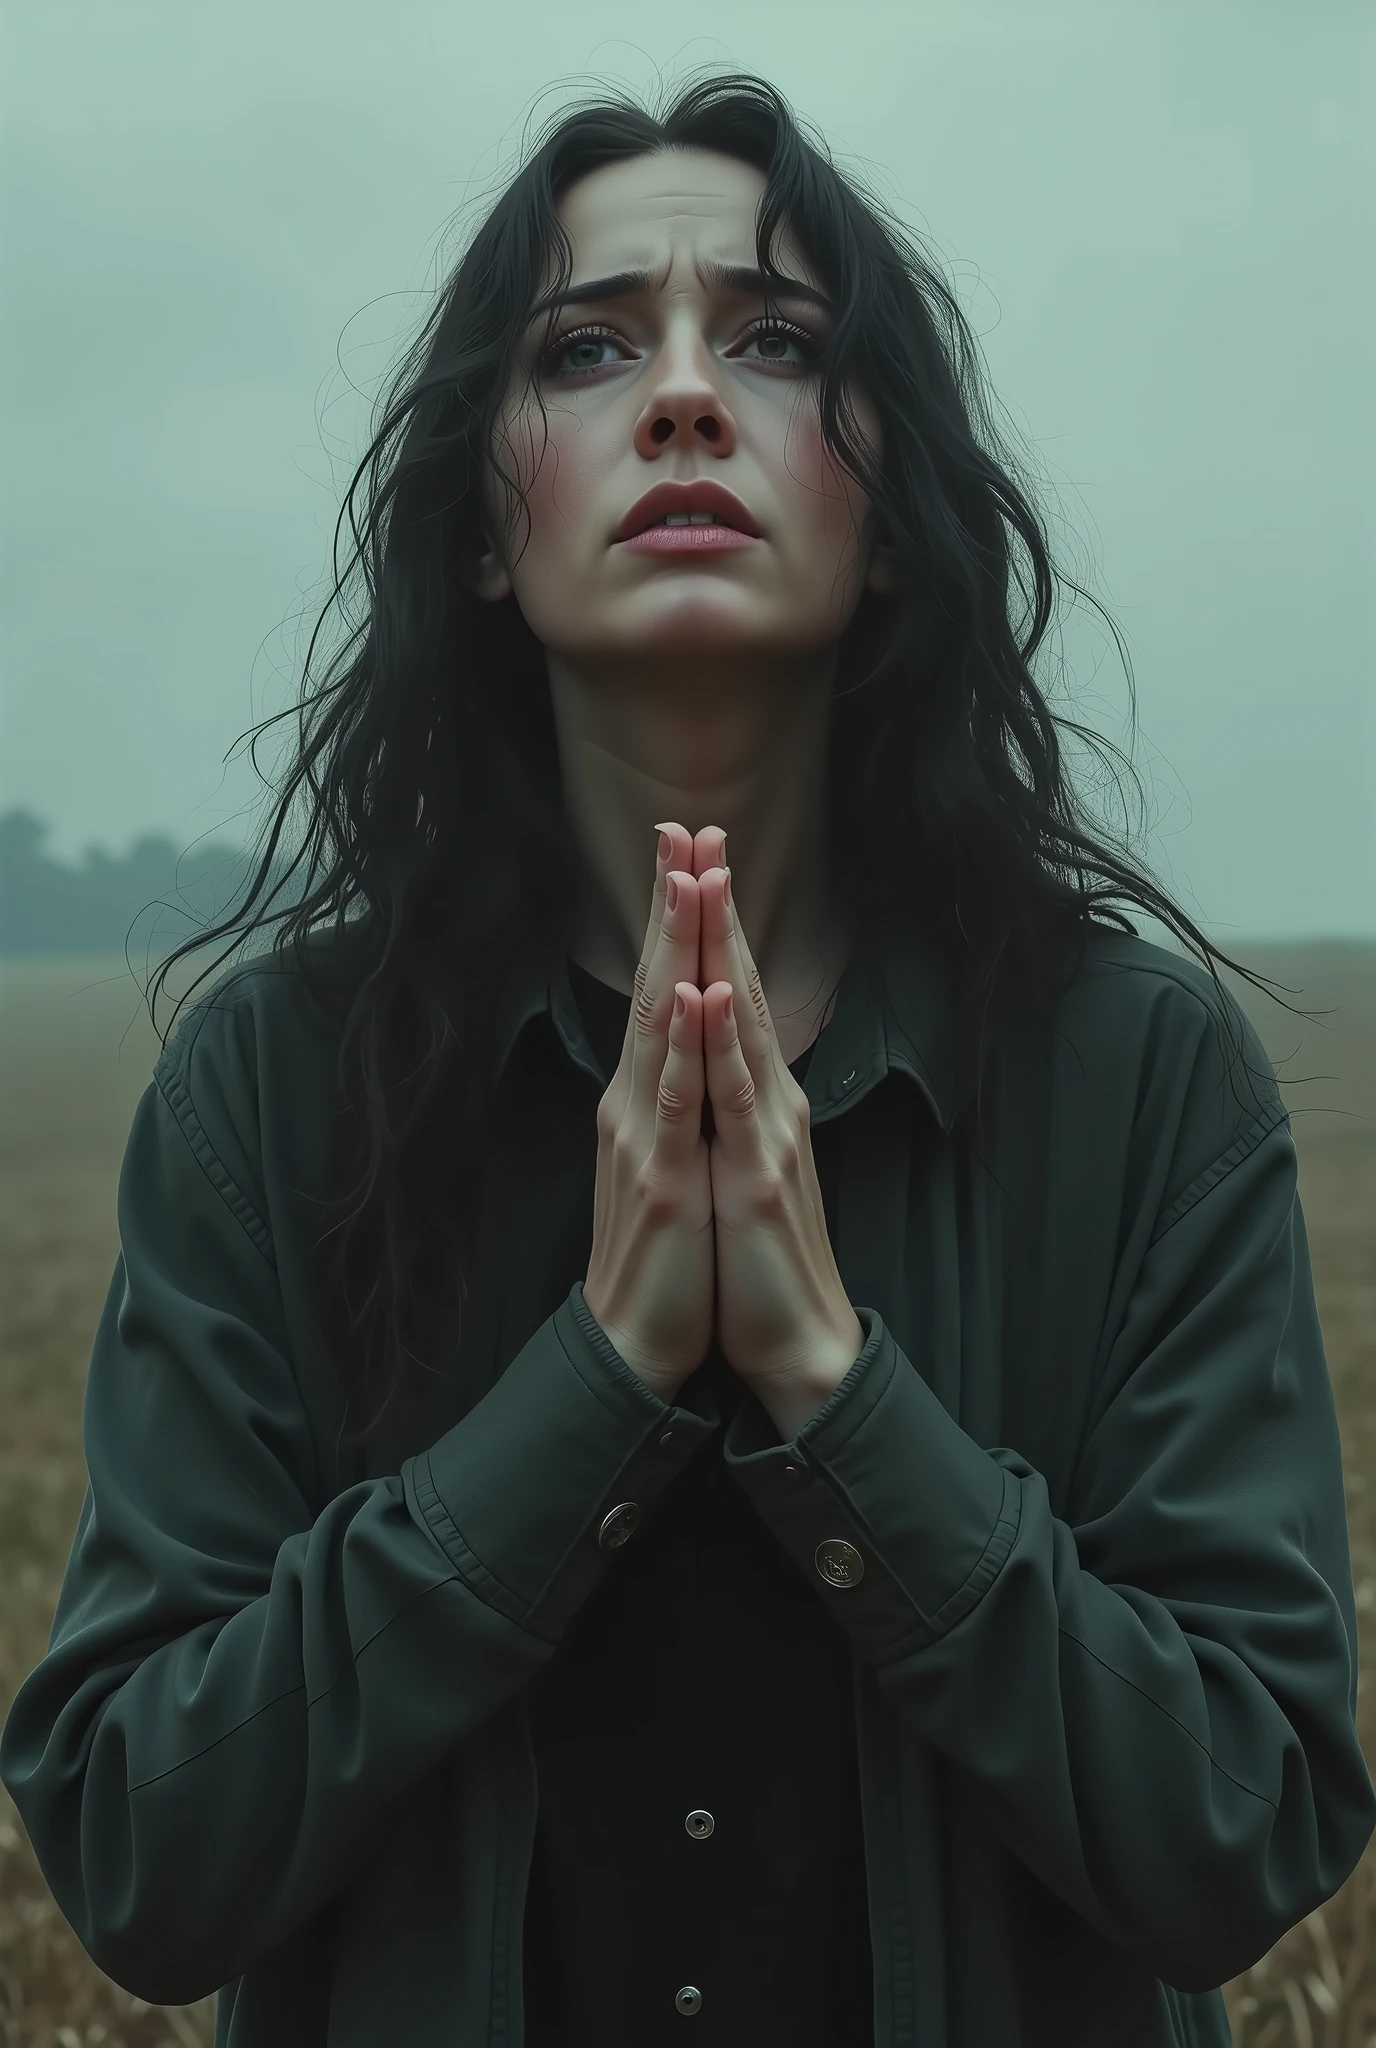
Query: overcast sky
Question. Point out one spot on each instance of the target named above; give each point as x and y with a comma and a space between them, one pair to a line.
220, 225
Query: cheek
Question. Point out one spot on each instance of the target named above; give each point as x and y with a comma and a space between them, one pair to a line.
549, 545
828, 502
558, 469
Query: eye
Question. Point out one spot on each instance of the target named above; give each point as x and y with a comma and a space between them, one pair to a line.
551, 362
576, 338
786, 331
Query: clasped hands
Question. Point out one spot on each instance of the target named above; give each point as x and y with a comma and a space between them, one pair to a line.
783, 1320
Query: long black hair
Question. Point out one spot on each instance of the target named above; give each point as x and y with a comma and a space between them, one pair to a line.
436, 825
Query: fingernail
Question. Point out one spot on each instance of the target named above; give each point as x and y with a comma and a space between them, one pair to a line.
666, 845
671, 892
726, 891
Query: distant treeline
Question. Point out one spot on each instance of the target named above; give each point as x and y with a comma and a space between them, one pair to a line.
150, 900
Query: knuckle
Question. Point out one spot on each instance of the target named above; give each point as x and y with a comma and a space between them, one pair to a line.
790, 1156
741, 1098
778, 1177
609, 1112
624, 1151
655, 1197
671, 1102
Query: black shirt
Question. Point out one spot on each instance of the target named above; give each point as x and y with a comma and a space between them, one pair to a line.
699, 1807
1075, 1515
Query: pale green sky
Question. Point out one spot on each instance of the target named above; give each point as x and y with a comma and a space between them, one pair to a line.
1158, 217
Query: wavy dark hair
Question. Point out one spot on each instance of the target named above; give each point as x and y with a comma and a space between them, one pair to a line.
436, 823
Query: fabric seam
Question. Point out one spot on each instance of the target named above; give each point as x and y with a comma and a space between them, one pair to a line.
177, 1096
1242, 1147
1251, 1792
449, 1579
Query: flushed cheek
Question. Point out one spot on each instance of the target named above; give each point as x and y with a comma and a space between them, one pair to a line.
822, 497
558, 471
565, 488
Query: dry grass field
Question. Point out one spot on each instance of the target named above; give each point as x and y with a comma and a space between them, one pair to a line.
76, 1049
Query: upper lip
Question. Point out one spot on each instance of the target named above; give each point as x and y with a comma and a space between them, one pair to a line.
701, 495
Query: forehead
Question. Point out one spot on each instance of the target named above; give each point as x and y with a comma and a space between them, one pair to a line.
675, 205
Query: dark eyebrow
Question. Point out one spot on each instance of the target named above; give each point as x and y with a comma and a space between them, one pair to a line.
727, 277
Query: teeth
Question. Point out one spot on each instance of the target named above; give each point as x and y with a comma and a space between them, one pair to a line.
688, 519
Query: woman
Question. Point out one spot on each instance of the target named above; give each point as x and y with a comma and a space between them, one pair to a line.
954, 1640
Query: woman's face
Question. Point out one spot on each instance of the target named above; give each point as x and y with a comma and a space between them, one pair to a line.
680, 380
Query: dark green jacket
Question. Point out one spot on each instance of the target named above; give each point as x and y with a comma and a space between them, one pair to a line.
1084, 1476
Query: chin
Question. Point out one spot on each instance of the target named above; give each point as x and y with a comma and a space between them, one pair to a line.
695, 622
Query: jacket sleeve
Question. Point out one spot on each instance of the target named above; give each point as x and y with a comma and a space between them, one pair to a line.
235, 1685
1155, 1702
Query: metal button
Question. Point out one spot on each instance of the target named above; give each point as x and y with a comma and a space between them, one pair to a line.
621, 1522
667, 1438
849, 1078
689, 1999
792, 1470
699, 1824
839, 1562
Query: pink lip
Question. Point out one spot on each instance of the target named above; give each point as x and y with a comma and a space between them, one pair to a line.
688, 540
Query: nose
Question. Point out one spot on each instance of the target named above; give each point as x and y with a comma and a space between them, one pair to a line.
684, 406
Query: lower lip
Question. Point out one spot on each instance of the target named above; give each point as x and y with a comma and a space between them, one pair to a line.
688, 540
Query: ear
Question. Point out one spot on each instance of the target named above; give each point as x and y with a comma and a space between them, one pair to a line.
490, 577
881, 575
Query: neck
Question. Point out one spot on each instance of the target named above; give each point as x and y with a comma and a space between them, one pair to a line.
745, 752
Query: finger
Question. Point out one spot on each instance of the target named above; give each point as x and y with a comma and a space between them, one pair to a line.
680, 855
731, 1085
680, 852
726, 957
682, 1082
709, 849
674, 959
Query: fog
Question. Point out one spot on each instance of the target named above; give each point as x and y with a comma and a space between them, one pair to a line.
221, 224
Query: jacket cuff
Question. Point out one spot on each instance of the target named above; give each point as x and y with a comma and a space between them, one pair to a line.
533, 1491
939, 1513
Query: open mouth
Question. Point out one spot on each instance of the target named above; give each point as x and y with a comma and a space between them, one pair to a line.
696, 506
688, 533
689, 519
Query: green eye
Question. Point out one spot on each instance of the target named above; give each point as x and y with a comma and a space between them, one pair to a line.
785, 330
577, 337
585, 337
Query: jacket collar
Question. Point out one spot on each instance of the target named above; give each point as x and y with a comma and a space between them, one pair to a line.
899, 1015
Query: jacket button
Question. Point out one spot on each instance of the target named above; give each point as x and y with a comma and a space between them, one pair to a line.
689, 1999
839, 1562
791, 1471
622, 1522
699, 1824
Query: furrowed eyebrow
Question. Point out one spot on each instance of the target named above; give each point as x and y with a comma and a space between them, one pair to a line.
727, 277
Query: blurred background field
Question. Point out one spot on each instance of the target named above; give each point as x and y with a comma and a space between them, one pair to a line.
76, 1052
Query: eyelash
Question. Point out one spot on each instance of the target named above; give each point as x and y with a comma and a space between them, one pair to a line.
594, 333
